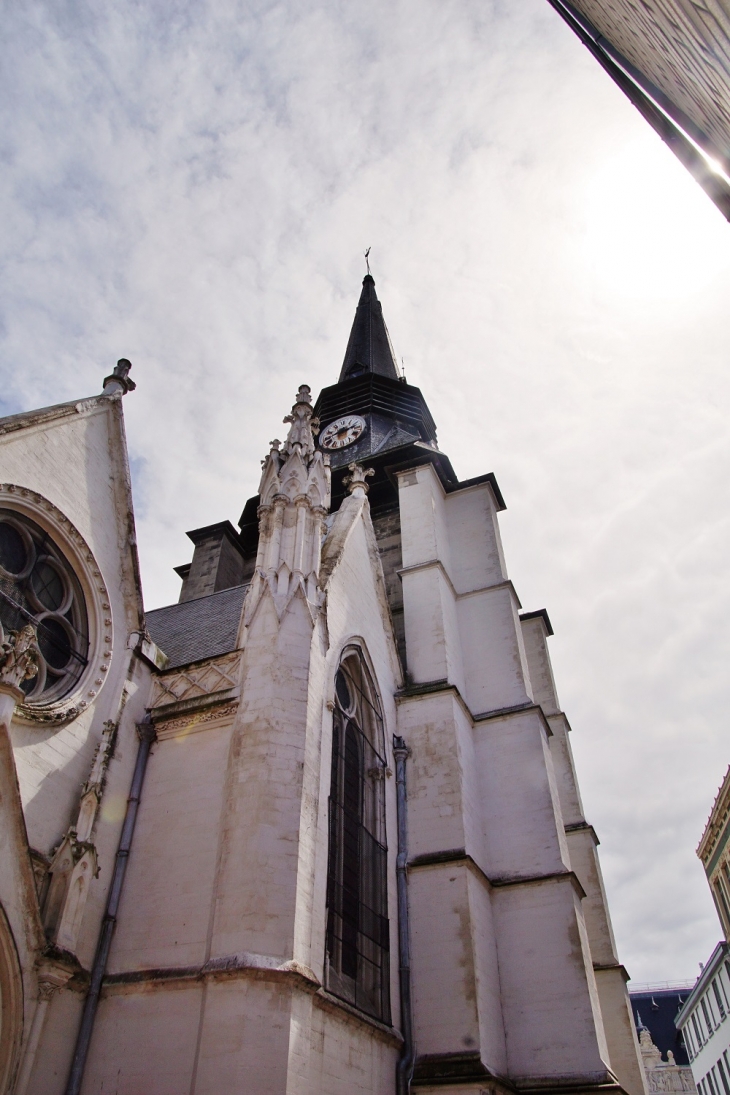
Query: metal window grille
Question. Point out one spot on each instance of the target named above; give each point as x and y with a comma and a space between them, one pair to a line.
358, 940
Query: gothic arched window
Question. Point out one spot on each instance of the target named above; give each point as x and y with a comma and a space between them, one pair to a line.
38, 586
357, 900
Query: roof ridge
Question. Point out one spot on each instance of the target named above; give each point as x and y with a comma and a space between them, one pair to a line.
202, 597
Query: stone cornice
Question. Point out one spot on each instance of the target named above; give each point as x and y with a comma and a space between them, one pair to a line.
216, 712
460, 855
582, 826
431, 688
44, 415
607, 967
429, 564
259, 967
467, 1068
197, 687
716, 822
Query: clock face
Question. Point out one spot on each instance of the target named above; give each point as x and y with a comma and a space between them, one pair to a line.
343, 431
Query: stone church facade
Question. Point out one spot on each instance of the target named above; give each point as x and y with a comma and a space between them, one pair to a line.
315, 828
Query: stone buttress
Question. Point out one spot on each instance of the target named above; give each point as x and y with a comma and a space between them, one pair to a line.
217, 969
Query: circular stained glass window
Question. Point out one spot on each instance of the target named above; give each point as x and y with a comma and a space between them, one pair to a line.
38, 586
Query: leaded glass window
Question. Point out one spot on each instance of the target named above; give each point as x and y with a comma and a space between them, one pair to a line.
358, 943
38, 586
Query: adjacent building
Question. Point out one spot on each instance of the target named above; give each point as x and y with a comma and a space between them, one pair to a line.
663, 1052
714, 851
672, 59
703, 1019
705, 1027
655, 1008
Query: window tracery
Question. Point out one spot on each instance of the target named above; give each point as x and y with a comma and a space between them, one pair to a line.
38, 586
358, 943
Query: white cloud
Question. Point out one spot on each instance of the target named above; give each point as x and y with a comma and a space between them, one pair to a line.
192, 186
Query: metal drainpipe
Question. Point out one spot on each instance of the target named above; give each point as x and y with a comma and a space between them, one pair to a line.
147, 735
406, 1061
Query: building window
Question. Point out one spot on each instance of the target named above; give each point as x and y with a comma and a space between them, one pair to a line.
698, 1030
357, 908
38, 586
721, 1073
706, 1010
686, 1035
721, 982
722, 905
719, 1000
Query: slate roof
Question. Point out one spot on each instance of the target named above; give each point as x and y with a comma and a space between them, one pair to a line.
369, 349
202, 628
657, 1010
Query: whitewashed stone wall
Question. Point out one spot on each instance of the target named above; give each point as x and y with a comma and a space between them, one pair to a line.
66, 469
505, 923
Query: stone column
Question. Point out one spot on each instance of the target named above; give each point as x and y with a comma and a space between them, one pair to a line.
50, 979
19, 662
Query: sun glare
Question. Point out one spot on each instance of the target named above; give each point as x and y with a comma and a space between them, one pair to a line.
650, 232
716, 168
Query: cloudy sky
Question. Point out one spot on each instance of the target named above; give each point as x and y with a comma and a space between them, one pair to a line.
192, 185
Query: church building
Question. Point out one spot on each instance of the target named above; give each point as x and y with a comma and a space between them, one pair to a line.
315, 828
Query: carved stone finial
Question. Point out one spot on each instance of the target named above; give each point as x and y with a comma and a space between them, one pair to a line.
294, 493
356, 481
301, 436
119, 381
19, 656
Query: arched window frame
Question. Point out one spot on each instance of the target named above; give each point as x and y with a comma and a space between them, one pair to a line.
61, 621
43, 710
357, 964
11, 1005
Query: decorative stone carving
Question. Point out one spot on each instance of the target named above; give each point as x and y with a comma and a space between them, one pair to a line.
175, 686
663, 1077
119, 380
355, 483
19, 656
74, 862
80, 556
295, 499
188, 724
94, 787
72, 868
304, 428
46, 990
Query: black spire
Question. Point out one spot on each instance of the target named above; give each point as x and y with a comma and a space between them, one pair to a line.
369, 349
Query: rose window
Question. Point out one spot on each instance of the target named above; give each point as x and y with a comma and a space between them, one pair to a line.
38, 586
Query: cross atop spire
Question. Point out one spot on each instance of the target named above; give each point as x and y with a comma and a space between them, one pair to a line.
369, 349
